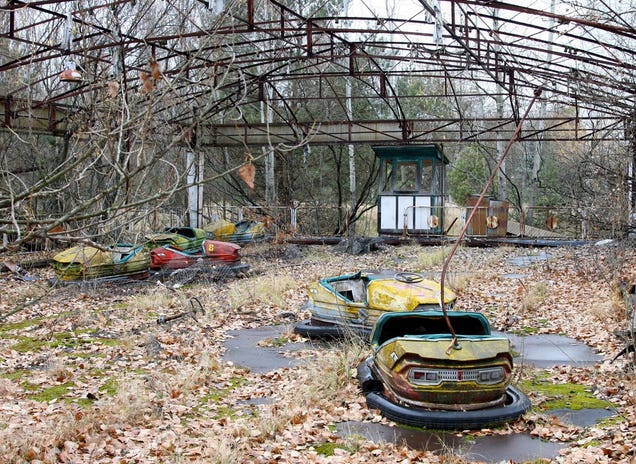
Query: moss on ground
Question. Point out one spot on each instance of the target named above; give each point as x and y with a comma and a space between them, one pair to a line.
564, 395
54, 393
328, 448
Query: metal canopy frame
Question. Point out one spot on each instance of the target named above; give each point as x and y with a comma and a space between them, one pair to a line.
220, 61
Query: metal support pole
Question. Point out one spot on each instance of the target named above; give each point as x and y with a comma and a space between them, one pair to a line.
454, 344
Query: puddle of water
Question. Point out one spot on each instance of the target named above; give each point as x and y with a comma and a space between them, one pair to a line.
516, 447
523, 261
251, 406
413, 438
548, 350
513, 275
582, 417
243, 349
491, 449
540, 350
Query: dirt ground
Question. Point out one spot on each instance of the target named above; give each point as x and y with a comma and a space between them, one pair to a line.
89, 376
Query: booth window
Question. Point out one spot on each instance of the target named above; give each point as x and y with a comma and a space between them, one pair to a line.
437, 181
427, 176
387, 173
406, 180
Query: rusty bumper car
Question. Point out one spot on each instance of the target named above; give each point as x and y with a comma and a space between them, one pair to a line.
352, 303
418, 376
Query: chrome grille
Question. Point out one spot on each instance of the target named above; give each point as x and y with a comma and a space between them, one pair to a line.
421, 376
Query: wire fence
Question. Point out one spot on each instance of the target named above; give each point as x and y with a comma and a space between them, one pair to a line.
314, 220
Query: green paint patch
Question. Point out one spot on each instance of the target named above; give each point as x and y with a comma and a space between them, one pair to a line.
564, 396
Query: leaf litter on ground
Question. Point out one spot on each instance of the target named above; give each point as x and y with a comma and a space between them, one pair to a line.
89, 376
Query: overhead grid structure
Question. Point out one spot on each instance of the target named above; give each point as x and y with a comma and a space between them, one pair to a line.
221, 57
246, 73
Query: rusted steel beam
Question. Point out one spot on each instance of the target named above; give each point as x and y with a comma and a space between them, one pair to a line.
250, 15
626, 31
11, 23
310, 39
352, 60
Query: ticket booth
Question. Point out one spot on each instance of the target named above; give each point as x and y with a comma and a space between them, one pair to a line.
411, 189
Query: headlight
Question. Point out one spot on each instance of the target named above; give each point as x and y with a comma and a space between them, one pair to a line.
424, 376
494, 375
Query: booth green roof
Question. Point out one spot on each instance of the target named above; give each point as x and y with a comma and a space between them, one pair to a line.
410, 152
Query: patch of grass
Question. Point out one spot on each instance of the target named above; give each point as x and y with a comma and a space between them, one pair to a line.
17, 375
274, 342
217, 395
328, 374
564, 396
29, 345
534, 296
609, 421
29, 387
152, 302
85, 403
58, 340
270, 289
49, 394
525, 331
10, 327
133, 403
593, 444
110, 387
106, 341
431, 258
458, 281
226, 411
64, 340
498, 255
328, 448
317, 255
21, 376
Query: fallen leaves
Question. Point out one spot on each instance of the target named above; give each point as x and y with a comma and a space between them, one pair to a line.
139, 392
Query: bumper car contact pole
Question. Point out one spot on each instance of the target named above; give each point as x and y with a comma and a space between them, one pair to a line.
454, 344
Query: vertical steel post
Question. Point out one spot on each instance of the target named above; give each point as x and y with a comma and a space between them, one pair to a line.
454, 343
